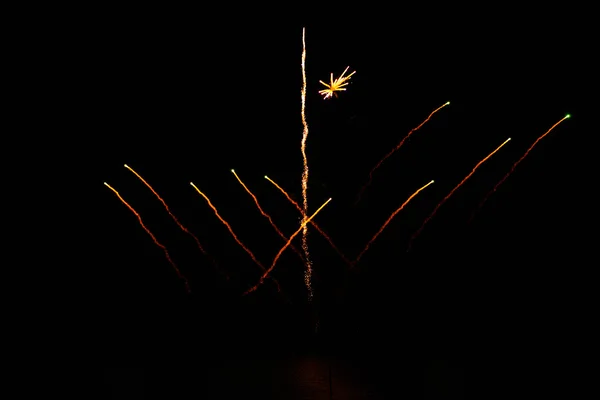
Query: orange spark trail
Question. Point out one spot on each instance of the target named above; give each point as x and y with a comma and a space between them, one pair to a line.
452, 192
183, 228
394, 150
232, 233
388, 221
267, 216
313, 223
308, 273
164, 249
304, 222
515, 166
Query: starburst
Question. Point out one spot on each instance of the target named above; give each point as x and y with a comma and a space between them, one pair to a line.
335, 85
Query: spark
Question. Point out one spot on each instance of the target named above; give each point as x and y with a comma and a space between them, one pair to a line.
515, 166
313, 223
267, 216
163, 248
396, 149
335, 85
304, 222
308, 271
181, 226
252, 256
388, 221
452, 192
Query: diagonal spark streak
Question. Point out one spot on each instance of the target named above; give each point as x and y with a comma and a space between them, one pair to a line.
304, 222
388, 221
313, 223
156, 242
252, 256
515, 166
267, 216
396, 149
452, 192
183, 228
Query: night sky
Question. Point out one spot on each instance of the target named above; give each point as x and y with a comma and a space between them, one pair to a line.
183, 101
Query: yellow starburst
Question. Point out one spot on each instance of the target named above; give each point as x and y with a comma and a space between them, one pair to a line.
335, 85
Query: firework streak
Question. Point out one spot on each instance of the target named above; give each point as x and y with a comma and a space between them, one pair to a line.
163, 248
388, 221
308, 272
267, 216
304, 222
394, 150
452, 192
515, 166
183, 228
252, 256
313, 223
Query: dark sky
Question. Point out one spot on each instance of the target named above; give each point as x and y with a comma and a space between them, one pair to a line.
182, 101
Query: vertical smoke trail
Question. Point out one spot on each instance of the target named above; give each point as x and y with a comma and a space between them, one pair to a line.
308, 272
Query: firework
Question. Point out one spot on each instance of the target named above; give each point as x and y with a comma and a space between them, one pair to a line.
313, 223
388, 221
452, 192
335, 85
304, 222
515, 166
252, 256
267, 216
162, 247
394, 150
183, 228
308, 272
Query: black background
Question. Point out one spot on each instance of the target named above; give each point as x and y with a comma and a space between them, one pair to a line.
186, 95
